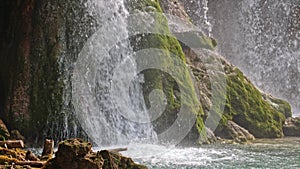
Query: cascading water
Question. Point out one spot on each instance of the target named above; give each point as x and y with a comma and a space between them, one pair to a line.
199, 10
271, 48
259, 36
98, 87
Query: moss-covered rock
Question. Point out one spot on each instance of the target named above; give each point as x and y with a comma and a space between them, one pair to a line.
244, 104
77, 154
235, 132
116, 160
280, 105
158, 79
291, 127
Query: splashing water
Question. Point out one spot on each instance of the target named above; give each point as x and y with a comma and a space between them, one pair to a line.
99, 85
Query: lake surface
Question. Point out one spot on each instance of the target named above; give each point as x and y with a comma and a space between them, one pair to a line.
264, 153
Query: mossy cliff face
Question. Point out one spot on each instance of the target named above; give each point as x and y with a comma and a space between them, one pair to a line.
40, 41
246, 106
260, 114
158, 79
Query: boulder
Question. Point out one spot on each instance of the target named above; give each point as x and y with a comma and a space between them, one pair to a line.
77, 154
4, 134
291, 127
208, 137
235, 132
117, 161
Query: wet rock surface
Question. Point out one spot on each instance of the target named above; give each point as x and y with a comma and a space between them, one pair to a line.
235, 132
292, 127
77, 154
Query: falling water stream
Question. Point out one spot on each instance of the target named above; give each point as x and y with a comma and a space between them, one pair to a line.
95, 79
99, 83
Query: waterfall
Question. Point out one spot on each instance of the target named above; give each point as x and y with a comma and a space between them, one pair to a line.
271, 47
198, 11
261, 37
105, 103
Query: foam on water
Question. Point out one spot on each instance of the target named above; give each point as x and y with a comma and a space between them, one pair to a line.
279, 153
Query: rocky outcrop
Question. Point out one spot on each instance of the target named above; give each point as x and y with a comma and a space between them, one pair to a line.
235, 132
77, 154
242, 103
174, 7
291, 127
39, 33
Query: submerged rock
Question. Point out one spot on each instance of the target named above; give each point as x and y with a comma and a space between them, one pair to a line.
292, 127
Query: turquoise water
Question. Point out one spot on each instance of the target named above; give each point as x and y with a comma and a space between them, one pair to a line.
267, 154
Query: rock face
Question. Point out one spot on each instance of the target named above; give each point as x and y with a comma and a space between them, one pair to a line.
245, 31
39, 33
292, 127
236, 133
77, 154
246, 108
243, 103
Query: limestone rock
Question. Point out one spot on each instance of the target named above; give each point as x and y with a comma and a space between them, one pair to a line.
174, 7
292, 127
236, 132
208, 138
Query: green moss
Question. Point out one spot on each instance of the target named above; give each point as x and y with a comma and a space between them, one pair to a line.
157, 79
197, 40
280, 105
246, 106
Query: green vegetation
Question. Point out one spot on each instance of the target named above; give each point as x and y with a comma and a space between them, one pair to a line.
158, 79
246, 106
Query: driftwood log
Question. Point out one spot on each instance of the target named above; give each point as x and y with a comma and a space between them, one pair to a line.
118, 149
37, 164
48, 147
31, 157
12, 144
